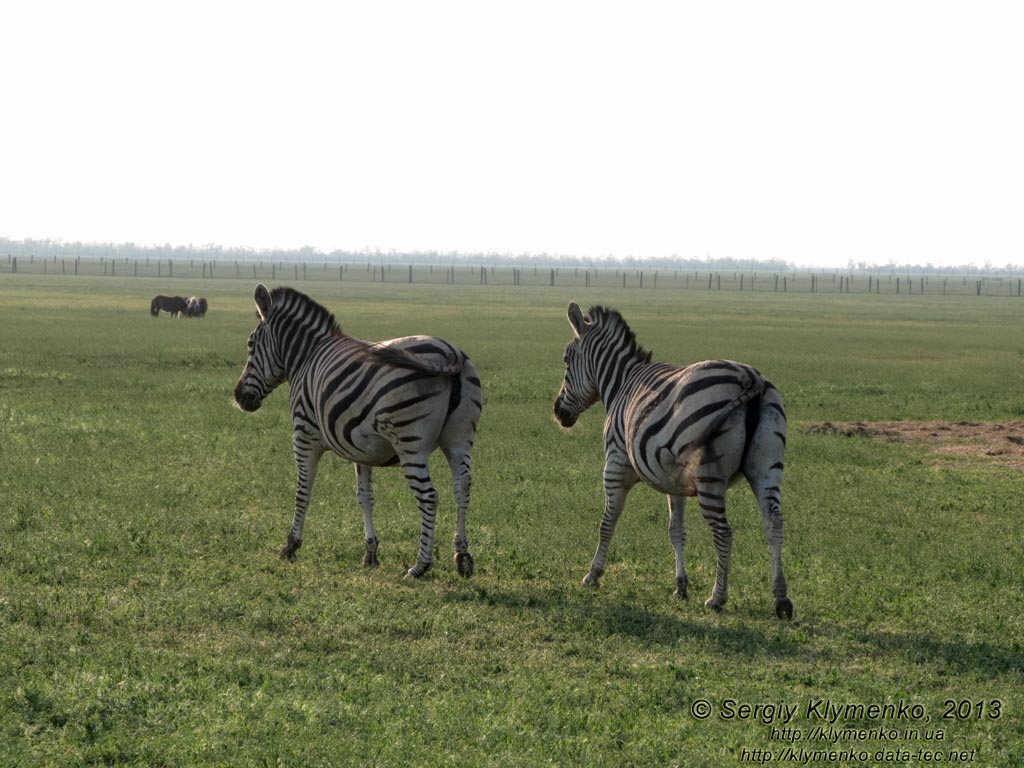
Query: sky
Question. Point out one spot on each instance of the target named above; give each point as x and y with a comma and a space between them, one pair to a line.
817, 133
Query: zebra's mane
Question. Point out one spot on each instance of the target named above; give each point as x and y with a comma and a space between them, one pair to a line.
299, 304
610, 318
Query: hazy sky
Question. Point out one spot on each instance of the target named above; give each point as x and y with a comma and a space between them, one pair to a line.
814, 132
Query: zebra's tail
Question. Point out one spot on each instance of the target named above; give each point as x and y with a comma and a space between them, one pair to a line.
749, 398
753, 421
388, 355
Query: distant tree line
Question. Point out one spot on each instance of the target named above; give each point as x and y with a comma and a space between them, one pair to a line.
51, 248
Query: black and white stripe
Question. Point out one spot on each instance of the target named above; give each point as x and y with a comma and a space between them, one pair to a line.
383, 404
686, 431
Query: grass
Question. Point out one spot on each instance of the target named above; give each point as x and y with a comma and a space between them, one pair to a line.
145, 619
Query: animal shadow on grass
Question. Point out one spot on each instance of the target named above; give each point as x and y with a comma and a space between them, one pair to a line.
811, 639
954, 655
585, 612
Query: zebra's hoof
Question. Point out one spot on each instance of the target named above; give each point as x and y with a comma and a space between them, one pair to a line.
681, 591
464, 564
591, 580
287, 552
713, 605
784, 608
417, 570
370, 556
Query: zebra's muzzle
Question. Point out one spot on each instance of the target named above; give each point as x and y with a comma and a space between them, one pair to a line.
563, 415
247, 401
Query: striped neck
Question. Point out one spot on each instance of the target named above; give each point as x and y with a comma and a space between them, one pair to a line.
614, 352
298, 324
611, 373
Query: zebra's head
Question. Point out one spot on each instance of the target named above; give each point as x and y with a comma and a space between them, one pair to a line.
264, 367
579, 389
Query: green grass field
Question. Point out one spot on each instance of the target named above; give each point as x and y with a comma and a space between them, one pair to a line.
146, 620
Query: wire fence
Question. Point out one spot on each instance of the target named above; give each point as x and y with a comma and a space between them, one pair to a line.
796, 281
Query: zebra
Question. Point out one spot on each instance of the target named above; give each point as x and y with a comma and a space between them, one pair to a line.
384, 404
685, 431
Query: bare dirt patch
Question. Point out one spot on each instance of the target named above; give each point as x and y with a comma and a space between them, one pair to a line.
1000, 441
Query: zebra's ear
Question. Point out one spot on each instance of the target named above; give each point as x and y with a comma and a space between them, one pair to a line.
263, 301
576, 317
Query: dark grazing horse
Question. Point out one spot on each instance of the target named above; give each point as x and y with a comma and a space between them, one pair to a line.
175, 305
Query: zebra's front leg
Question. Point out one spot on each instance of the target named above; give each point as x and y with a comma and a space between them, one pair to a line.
711, 497
459, 461
307, 457
364, 492
417, 477
619, 479
677, 535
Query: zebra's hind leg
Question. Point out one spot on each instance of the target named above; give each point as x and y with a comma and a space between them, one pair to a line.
417, 477
677, 535
307, 457
459, 461
711, 497
364, 492
771, 515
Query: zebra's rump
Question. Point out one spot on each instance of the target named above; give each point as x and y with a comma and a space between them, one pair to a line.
426, 353
678, 422
366, 408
